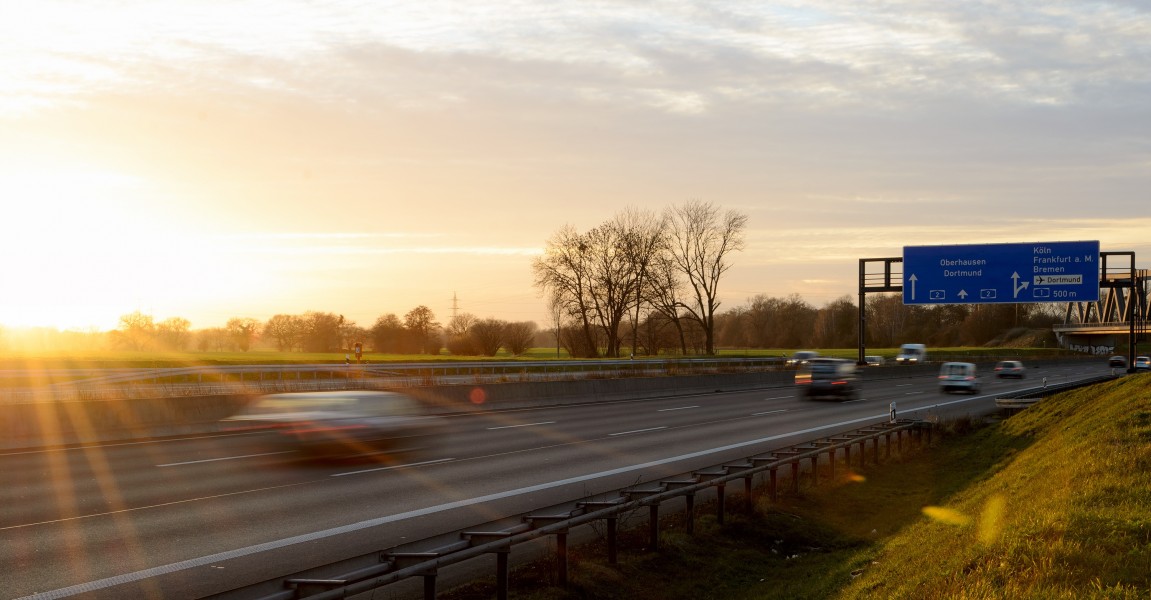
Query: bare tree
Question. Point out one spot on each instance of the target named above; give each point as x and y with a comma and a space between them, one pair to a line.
519, 336
173, 333
487, 336
642, 239
388, 334
421, 324
136, 331
322, 332
213, 338
457, 332
701, 239
664, 288
597, 277
243, 331
286, 330
564, 273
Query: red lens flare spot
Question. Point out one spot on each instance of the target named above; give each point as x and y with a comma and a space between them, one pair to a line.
478, 396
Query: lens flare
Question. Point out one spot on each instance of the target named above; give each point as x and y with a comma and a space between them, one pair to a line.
946, 515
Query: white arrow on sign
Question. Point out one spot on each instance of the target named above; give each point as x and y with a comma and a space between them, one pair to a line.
1019, 287
962, 294
913, 279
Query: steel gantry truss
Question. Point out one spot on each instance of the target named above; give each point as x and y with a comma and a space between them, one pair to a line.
1123, 305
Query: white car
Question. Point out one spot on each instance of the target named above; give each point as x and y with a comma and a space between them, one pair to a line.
959, 377
1009, 368
1143, 363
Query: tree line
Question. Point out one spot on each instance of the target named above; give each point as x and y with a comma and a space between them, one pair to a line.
640, 273
417, 332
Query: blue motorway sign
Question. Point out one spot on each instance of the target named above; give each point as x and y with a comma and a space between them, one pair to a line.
1001, 273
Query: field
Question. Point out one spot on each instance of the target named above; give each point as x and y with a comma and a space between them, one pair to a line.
90, 359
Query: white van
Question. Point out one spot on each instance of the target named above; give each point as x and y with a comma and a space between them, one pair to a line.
958, 377
911, 354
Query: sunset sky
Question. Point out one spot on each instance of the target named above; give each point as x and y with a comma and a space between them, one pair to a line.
209, 160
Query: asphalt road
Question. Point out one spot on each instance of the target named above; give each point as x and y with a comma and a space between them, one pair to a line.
188, 517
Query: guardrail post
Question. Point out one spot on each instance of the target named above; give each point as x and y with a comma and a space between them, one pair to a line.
612, 526
815, 469
719, 510
747, 491
875, 443
429, 584
887, 445
831, 462
771, 485
562, 558
847, 455
795, 476
653, 525
502, 573
690, 513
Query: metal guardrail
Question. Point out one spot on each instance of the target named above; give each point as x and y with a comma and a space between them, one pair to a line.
1024, 398
72, 385
424, 558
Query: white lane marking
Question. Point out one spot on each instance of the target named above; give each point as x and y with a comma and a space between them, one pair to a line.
415, 464
903, 384
912, 393
679, 408
853, 401
210, 559
112, 445
521, 425
780, 398
637, 431
770, 412
207, 460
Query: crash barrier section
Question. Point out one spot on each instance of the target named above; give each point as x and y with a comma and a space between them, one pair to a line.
1018, 400
426, 558
144, 403
79, 413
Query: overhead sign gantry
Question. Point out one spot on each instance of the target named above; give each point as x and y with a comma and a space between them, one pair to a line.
1001, 273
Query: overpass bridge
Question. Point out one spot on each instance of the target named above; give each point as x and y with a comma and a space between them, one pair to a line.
1122, 309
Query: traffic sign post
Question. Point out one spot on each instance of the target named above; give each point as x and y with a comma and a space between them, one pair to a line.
1001, 273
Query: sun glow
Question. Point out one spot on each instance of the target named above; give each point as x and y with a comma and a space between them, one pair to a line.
82, 246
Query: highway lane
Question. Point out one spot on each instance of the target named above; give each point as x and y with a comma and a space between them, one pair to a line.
86, 515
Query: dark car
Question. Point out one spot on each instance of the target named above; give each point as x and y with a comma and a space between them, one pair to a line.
342, 423
801, 358
827, 378
1117, 362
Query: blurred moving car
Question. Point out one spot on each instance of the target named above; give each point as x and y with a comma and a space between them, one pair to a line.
801, 357
1117, 362
958, 377
911, 354
874, 361
827, 377
1009, 368
343, 422
1143, 363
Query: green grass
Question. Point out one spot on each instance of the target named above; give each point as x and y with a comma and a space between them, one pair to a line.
1054, 502
85, 358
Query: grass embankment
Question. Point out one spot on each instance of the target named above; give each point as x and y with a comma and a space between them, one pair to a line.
1054, 502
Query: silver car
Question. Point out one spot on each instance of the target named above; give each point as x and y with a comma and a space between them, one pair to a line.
340, 423
958, 377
